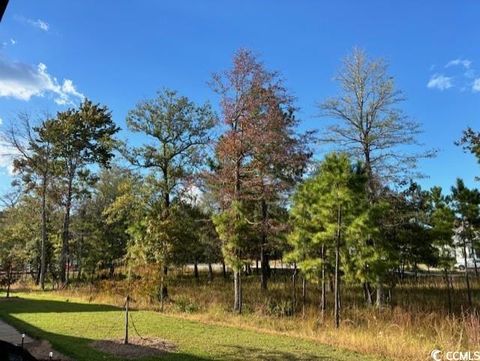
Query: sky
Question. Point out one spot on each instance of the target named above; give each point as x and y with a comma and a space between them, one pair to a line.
53, 53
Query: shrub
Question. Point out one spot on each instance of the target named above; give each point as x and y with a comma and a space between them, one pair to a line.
185, 305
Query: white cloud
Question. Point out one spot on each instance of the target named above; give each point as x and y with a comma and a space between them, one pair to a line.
7, 154
24, 81
466, 63
440, 81
69, 88
1, 121
10, 42
40, 24
476, 85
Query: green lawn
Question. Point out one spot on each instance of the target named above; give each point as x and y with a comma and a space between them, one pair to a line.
71, 326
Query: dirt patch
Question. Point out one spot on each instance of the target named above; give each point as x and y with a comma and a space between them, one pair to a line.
136, 348
40, 349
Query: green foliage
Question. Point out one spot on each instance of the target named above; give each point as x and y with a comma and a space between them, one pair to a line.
185, 305
79, 138
442, 220
99, 241
466, 204
82, 135
14, 243
471, 142
280, 307
178, 131
233, 229
337, 188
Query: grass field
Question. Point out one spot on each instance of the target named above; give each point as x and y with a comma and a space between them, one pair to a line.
409, 328
414, 323
71, 325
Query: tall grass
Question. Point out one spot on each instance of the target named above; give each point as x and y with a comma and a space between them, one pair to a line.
414, 323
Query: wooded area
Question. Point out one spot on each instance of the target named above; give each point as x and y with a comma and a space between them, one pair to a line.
240, 191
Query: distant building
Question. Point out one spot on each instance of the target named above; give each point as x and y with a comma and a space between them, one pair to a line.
473, 252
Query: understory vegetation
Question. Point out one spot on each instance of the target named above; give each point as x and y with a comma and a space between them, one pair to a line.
408, 329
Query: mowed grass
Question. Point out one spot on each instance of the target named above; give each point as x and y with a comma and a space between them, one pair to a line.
71, 325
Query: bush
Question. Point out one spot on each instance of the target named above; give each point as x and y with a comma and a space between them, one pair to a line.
184, 304
279, 307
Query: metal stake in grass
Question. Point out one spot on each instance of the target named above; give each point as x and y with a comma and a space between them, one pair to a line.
125, 340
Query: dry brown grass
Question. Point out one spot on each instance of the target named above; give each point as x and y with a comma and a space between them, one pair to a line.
415, 323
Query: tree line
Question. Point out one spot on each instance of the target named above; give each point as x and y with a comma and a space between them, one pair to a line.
236, 187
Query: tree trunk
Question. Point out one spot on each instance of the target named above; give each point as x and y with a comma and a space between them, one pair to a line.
111, 270
93, 274
475, 265
224, 270
195, 269
467, 280
304, 295
237, 284
263, 246
237, 271
69, 266
37, 276
330, 283
337, 268
380, 296
164, 289
66, 233
447, 281
165, 215
294, 287
162, 301
323, 300
367, 292
79, 271
9, 280
210, 272
264, 268
44, 234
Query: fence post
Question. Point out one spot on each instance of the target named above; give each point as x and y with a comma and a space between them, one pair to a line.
125, 340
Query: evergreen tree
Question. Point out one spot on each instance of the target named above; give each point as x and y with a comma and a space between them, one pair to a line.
335, 200
80, 137
178, 133
466, 204
442, 220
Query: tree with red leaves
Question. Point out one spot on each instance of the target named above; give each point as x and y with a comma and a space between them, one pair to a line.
259, 158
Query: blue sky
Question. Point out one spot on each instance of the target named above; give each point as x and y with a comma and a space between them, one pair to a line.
119, 52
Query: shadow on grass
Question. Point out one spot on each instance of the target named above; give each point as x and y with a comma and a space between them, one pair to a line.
79, 348
26, 305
